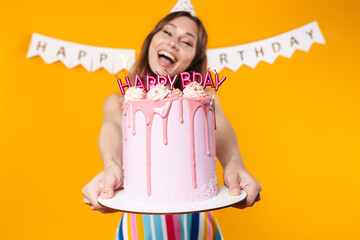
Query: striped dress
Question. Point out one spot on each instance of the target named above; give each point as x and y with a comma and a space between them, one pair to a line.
194, 226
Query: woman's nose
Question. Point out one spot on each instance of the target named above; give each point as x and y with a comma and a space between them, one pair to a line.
173, 44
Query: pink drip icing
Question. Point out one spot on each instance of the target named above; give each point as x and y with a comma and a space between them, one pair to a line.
214, 147
207, 132
129, 122
181, 111
192, 148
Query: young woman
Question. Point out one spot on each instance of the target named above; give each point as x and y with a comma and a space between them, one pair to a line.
177, 43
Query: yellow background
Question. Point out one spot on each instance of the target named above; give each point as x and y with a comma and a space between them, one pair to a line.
297, 120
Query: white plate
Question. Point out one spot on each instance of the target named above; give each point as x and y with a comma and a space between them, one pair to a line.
222, 200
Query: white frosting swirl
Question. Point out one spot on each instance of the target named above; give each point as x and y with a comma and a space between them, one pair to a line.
158, 92
176, 93
194, 89
134, 93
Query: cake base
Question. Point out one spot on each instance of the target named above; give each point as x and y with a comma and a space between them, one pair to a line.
222, 200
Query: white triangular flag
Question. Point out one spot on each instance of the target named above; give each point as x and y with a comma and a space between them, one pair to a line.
43, 46
123, 59
82, 56
184, 5
103, 58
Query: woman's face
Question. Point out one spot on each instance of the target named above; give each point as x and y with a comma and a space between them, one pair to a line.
173, 48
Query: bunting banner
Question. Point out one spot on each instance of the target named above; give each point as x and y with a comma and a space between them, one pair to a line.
266, 50
74, 54
114, 60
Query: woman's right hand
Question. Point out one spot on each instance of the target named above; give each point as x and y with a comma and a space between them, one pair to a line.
104, 184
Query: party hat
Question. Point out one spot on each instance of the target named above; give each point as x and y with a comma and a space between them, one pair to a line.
184, 5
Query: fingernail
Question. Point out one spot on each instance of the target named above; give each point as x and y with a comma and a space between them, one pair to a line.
105, 194
235, 190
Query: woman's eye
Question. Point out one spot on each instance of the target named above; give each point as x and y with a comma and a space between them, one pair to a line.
187, 43
167, 33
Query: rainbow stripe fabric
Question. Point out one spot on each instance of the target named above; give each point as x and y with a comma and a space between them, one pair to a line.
194, 226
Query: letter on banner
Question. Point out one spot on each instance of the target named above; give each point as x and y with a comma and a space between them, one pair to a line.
276, 47
103, 56
310, 33
123, 59
259, 51
293, 40
61, 51
81, 54
223, 57
42, 46
241, 54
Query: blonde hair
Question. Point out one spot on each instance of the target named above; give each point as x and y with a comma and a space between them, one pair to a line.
198, 64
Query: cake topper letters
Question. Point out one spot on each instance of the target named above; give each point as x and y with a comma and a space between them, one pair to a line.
185, 77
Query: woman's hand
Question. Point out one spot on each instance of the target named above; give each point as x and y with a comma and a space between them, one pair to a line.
110, 146
237, 178
103, 184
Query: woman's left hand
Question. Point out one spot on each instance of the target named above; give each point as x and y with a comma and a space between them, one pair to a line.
237, 178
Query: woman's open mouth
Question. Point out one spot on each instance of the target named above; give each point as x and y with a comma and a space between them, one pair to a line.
166, 59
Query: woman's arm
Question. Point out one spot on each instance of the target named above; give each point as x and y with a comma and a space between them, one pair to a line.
110, 146
236, 177
110, 138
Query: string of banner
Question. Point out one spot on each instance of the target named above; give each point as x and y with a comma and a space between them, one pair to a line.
114, 60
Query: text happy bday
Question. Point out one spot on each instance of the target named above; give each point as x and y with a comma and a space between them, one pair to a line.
185, 77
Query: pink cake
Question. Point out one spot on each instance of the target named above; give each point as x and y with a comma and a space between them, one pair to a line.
169, 147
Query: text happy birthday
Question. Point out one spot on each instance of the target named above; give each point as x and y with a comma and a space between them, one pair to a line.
185, 77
